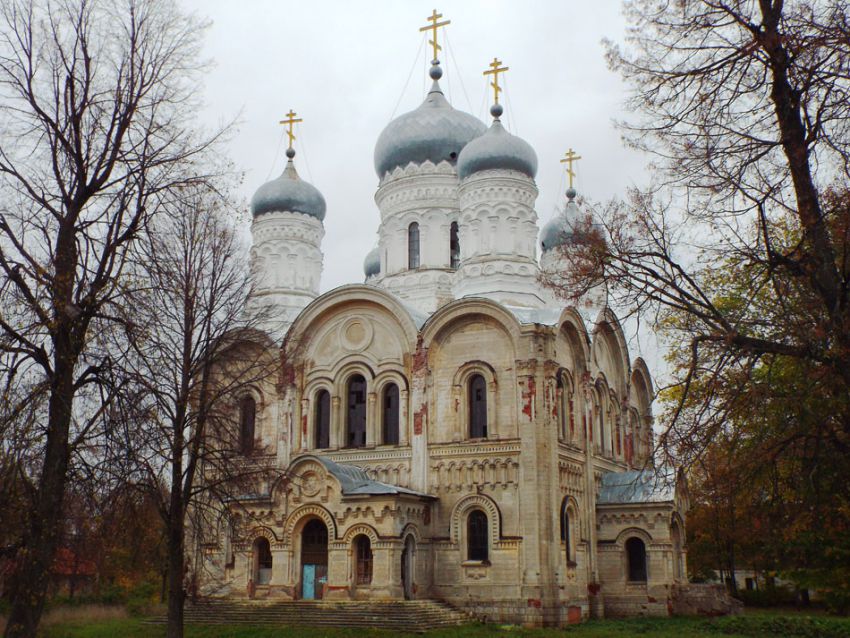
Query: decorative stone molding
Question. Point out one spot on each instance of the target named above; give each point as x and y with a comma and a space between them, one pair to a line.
306, 512
471, 502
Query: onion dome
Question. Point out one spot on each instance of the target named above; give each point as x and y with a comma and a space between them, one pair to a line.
566, 228
435, 131
372, 263
289, 193
497, 149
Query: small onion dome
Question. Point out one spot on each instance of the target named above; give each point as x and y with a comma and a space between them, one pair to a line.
497, 149
372, 263
435, 131
288, 193
566, 227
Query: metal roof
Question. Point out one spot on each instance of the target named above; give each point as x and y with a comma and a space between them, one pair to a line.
355, 482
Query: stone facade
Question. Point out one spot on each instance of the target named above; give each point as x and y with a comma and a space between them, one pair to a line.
447, 430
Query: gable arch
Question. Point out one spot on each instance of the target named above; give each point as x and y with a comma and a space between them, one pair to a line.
466, 308
641, 389
608, 339
314, 313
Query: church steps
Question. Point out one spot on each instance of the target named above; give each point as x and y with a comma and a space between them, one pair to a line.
418, 615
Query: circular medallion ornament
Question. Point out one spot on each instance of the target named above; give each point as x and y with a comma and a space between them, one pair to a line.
310, 484
355, 334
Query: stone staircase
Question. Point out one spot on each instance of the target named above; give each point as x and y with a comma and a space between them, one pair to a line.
412, 616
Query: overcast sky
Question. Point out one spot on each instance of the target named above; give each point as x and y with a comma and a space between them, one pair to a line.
344, 67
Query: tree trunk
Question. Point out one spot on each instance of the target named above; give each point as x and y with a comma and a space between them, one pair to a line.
45, 517
176, 593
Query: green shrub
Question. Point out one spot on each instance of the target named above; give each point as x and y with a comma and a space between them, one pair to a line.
767, 597
790, 626
142, 597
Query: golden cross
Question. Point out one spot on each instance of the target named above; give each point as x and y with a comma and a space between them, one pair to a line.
290, 122
570, 157
495, 69
433, 28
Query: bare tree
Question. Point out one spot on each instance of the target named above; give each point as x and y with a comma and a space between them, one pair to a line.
95, 106
196, 357
739, 251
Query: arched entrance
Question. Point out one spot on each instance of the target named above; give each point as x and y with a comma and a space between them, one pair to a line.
314, 559
262, 561
407, 561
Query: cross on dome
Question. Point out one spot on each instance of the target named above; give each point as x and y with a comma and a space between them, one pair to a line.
494, 70
570, 157
290, 122
435, 24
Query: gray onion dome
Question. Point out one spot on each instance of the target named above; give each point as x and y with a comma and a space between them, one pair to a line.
289, 193
567, 227
497, 149
435, 131
372, 263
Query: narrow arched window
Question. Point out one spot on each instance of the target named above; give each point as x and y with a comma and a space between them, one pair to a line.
565, 529
636, 557
322, 421
247, 420
413, 246
476, 536
363, 550
477, 407
391, 418
454, 246
356, 421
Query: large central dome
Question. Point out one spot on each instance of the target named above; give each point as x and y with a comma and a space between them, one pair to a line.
435, 131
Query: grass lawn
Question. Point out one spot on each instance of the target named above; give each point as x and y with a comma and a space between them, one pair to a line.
747, 626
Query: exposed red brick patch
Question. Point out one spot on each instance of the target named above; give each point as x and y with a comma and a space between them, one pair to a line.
304, 425
652, 599
535, 602
419, 417
528, 397
573, 615
593, 588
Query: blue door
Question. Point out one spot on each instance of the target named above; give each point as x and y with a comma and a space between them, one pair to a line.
308, 582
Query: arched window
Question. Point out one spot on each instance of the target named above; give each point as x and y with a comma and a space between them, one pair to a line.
454, 246
391, 418
477, 407
567, 424
247, 420
476, 536
636, 557
363, 550
566, 530
413, 246
356, 421
323, 419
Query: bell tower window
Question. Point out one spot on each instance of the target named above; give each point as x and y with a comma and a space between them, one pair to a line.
454, 246
413, 246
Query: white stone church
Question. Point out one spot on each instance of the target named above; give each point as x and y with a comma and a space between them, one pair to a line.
447, 429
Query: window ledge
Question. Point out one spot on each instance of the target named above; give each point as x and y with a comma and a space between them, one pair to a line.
475, 563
